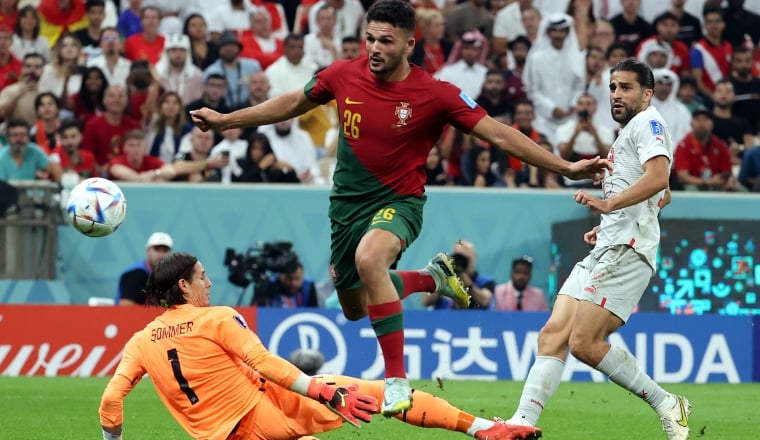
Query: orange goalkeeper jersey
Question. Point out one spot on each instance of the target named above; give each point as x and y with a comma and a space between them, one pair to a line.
198, 359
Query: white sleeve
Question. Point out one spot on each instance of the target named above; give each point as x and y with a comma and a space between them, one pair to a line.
532, 78
652, 138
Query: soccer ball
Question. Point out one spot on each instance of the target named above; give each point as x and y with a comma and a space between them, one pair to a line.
96, 207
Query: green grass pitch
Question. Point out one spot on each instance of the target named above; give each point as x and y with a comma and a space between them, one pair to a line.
66, 408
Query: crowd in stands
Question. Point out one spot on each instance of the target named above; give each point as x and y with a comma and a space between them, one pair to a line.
104, 87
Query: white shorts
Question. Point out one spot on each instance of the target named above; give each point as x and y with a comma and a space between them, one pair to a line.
614, 278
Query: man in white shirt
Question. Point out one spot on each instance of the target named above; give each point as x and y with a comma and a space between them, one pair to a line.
508, 25
177, 71
320, 45
292, 70
114, 66
666, 101
605, 287
293, 146
556, 50
234, 15
348, 16
467, 73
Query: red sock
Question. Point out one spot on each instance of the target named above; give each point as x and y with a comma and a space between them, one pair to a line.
412, 281
388, 322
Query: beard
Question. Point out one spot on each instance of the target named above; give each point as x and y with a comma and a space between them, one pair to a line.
387, 66
282, 132
625, 115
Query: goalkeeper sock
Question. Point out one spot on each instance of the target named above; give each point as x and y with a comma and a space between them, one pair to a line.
542, 381
408, 282
624, 370
430, 411
388, 322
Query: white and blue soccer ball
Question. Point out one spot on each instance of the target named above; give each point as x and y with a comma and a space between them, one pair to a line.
96, 207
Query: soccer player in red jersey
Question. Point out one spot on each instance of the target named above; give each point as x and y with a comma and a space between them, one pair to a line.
391, 115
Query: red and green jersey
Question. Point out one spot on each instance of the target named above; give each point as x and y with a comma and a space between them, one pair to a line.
388, 128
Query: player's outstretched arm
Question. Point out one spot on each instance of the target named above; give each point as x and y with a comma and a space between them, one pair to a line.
277, 109
513, 142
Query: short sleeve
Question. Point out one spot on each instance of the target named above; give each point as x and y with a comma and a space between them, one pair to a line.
462, 111
651, 137
322, 85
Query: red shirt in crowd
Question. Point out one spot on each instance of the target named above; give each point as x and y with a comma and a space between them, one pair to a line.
10, 72
104, 140
149, 163
136, 48
695, 158
86, 166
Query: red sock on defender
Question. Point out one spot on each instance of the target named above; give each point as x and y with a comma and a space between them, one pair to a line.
388, 322
407, 282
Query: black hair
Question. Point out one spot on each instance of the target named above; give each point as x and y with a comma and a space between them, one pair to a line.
615, 46
13, 123
644, 75
350, 39
292, 37
187, 22
667, 15
39, 97
67, 124
398, 13
711, 9
163, 283
21, 13
215, 76
92, 101
93, 3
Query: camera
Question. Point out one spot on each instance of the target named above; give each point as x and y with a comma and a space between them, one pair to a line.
258, 263
583, 115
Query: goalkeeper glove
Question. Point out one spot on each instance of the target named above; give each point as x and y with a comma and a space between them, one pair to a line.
347, 402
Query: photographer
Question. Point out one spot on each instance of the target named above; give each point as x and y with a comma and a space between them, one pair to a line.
480, 286
582, 138
17, 100
287, 289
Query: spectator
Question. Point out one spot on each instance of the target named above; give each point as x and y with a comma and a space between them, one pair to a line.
514, 87
492, 97
630, 27
466, 72
287, 290
17, 100
10, 66
60, 17
480, 286
8, 12
90, 36
69, 155
583, 138
732, 129
702, 161
531, 19
677, 53
104, 134
321, 45
234, 68
133, 281
467, 16
45, 130
278, 21
432, 50
259, 43
349, 15
260, 165
598, 87
294, 148
292, 70
114, 66
508, 24
556, 50
177, 71
168, 127
26, 37
604, 35
143, 84
63, 76
350, 48
689, 26
664, 99
214, 90
656, 55
129, 20
148, 44
204, 51
710, 57
477, 169
88, 102
514, 171
232, 147
747, 88
232, 15
517, 294
740, 24
749, 174
436, 169
23, 160
135, 165
688, 95
198, 165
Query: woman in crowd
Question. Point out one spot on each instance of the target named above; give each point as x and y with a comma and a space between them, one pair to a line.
26, 36
432, 51
168, 127
203, 51
88, 101
62, 76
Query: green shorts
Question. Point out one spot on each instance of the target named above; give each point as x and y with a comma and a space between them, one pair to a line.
402, 217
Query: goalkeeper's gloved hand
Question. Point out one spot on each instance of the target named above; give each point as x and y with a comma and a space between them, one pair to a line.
347, 402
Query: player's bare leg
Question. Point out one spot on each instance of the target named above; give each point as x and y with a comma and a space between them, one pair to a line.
376, 253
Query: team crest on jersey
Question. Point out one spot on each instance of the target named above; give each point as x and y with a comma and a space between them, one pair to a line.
404, 113
656, 127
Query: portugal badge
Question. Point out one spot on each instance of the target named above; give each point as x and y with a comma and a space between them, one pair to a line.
403, 112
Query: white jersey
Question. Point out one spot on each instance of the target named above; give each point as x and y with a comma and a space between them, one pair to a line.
644, 137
